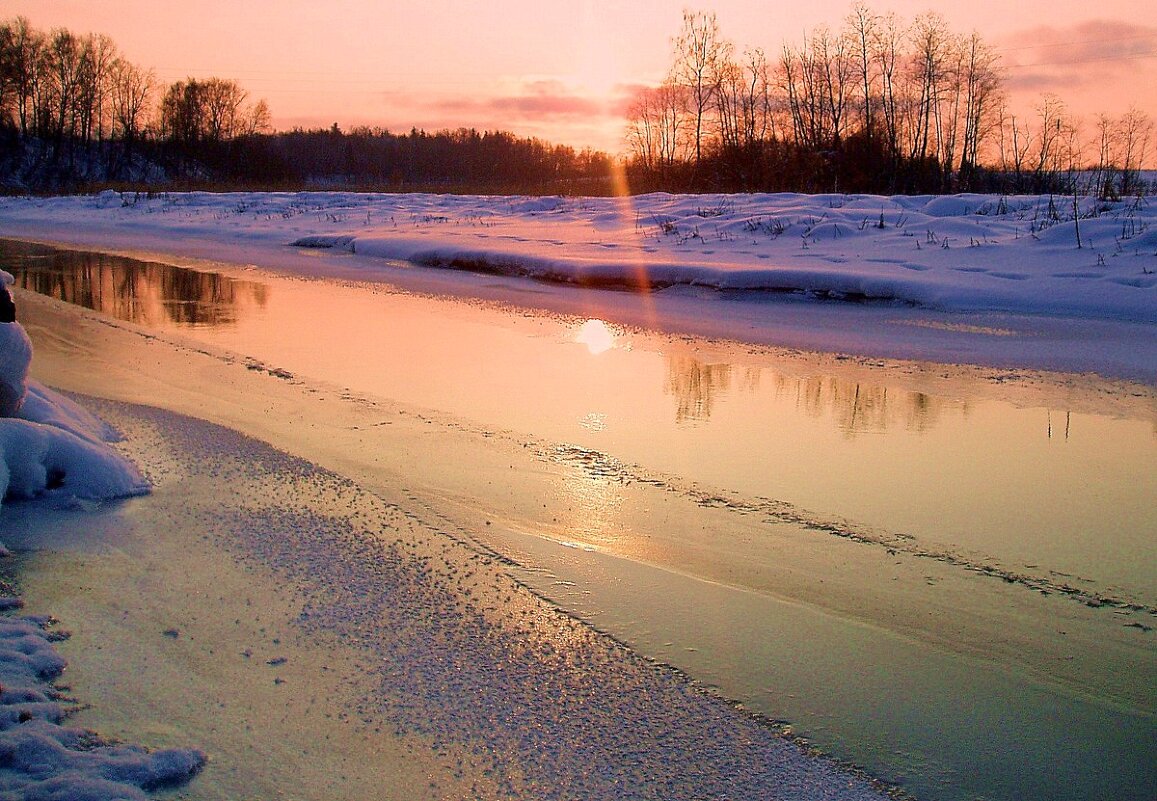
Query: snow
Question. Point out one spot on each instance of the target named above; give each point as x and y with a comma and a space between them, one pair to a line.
43, 759
50, 446
959, 253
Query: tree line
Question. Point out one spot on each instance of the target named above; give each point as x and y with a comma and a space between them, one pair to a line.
375, 158
74, 113
879, 105
73, 108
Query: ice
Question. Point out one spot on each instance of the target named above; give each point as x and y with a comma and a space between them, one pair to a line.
42, 759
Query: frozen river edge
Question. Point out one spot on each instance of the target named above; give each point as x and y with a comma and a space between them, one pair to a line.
479, 688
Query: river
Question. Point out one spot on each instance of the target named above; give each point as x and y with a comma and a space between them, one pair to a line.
943, 574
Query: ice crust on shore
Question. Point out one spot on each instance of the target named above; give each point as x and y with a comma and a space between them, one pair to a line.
40, 757
525, 701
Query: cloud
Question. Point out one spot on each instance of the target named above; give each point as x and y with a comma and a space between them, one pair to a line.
1082, 56
540, 101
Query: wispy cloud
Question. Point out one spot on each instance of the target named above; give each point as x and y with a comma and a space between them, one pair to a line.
1082, 56
534, 107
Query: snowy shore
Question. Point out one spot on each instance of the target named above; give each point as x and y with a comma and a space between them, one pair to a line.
54, 450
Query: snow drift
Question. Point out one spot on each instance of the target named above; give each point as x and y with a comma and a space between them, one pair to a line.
49, 445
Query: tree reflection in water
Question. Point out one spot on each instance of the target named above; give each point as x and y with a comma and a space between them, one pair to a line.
695, 386
859, 407
140, 292
855, 407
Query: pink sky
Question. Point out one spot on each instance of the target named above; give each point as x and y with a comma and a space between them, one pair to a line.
562, 70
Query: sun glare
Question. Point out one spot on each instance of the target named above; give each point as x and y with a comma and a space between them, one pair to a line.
596, 336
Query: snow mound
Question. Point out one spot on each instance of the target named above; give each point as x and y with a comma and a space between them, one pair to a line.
38, 459
57, 449
48, 444
41, 759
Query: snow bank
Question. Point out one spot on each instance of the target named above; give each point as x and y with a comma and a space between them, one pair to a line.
48, 444
1022, 254
42, 759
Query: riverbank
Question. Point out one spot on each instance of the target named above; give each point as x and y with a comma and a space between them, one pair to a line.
751, 515
314, 637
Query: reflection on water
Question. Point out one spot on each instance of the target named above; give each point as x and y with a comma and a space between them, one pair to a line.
596, 335
695, 386
140, 292
855, 407
859, 407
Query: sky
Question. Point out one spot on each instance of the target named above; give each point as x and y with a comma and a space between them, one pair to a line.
564, 71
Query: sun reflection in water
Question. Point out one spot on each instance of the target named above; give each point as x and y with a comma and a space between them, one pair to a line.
594, 503
596, 335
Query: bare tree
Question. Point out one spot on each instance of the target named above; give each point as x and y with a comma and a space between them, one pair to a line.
758, 121
130, 90
862, 34
816, 79
1135, 135
658, 121
701, 54
20, 63
730, 100
1053, 139
982, 80
931, 42
99, 55
210, 110
62, 61
258, 120
223, 101
888, 54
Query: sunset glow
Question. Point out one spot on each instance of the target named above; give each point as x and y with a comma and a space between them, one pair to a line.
564, 72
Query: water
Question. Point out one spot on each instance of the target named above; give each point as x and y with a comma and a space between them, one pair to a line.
943, 578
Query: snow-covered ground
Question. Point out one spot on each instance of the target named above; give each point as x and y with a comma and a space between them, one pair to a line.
1000, 281
1038, 255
